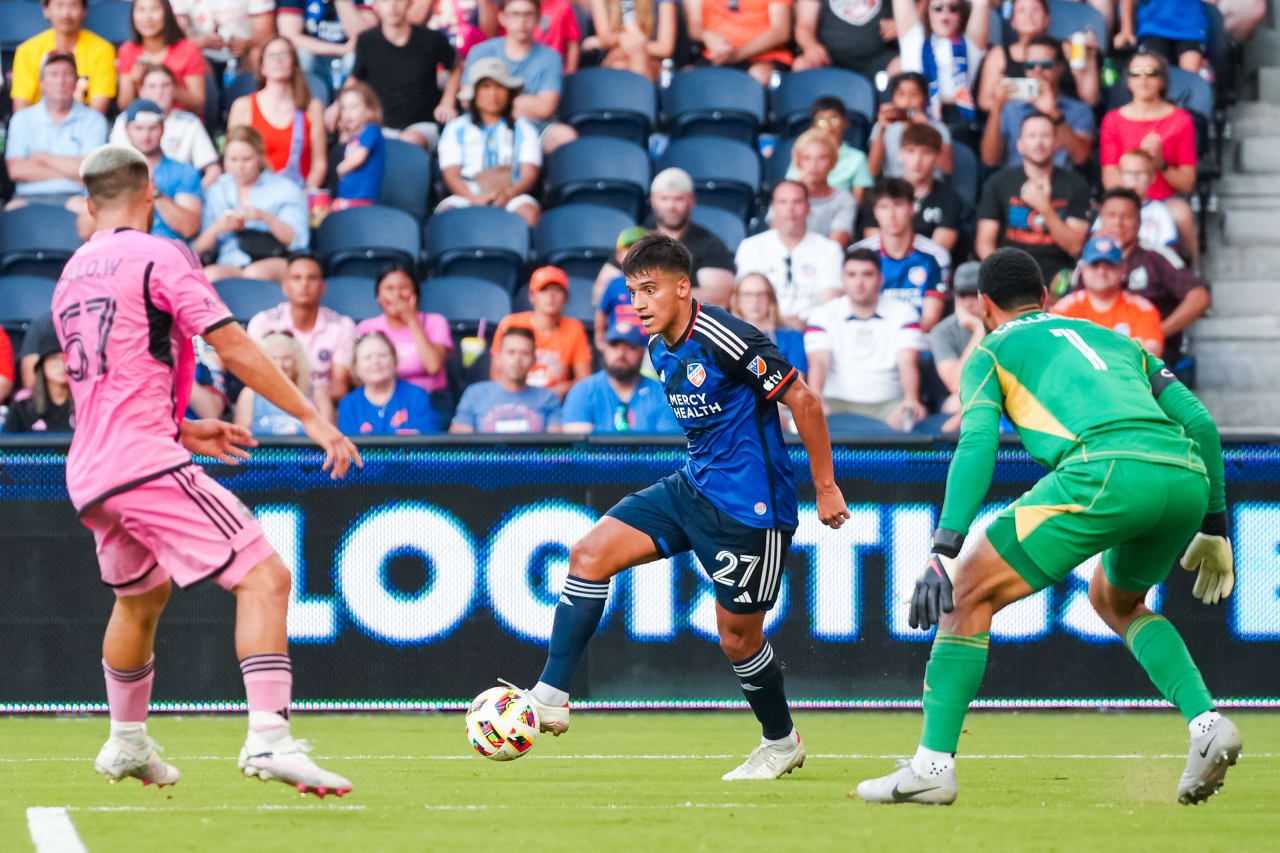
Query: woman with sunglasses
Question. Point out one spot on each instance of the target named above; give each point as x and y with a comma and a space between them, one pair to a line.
1030, 20
1163, 130
946, 46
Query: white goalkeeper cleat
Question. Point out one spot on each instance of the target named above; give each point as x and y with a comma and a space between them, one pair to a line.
285, 759
1207, 761
904, 786
119, 759
769, 761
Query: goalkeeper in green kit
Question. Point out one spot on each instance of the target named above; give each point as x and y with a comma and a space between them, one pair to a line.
1136, 474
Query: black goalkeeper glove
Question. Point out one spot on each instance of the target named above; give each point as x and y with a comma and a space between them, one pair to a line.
934, 593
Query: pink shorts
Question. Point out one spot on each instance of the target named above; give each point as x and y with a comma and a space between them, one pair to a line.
181, 526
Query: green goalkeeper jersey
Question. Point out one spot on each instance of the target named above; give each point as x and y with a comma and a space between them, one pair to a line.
1075, 392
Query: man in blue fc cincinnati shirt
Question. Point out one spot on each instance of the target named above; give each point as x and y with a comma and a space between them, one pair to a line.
733, 504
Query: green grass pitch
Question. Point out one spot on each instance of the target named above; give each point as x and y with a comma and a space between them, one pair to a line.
651, 781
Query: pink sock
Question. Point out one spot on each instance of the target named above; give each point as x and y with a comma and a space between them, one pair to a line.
129, 691
268, 683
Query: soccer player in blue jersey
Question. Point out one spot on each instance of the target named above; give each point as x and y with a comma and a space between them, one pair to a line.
733, 504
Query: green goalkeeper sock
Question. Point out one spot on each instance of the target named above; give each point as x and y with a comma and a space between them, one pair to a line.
1160, 650
951, 681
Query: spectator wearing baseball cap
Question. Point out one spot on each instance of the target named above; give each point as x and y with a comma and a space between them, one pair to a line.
93, 59
613, 299
48, 140
956, 336
562, 352
618, 398
179, 202
1105, 301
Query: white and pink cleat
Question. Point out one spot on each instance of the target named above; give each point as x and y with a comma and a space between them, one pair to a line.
120, 758
284, 759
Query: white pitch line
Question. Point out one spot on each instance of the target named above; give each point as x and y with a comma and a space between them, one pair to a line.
52, 830
475, 807
259, 808
1030, 756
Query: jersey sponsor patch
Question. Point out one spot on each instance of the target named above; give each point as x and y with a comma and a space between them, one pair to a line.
760, 508
757, 366
696, 373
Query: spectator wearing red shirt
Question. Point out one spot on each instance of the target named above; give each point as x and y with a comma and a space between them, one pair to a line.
1165, 131
749, 34
157, 38
6, 366
558, 30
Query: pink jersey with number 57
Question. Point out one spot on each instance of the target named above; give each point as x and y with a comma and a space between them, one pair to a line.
125, 309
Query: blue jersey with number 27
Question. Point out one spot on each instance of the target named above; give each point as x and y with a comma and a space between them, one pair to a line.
723, 382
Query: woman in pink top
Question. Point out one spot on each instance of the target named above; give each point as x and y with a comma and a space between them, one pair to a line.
1164, 131
158, 39
422, 340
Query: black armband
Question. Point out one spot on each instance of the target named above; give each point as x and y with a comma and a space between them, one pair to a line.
1214, 524
947, 542
1162, 380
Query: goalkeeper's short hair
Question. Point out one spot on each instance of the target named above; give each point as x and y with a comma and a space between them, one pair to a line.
1011, 279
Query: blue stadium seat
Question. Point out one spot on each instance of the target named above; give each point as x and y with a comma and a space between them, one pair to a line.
856, 425
598, 170
351, 295
407, 183
247, 296
579, 238
23, 298
791, 100
361, 240
609, 102
1067, 17
484, 242
37, 240
998, 29
111, 21
775, 166
465, 300
716, 102
729, 228
964, 176
319, 88
20, 21
726, 174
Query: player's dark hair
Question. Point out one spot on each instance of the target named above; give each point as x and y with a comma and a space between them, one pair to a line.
827, 104
519, 332
922, 82
871, 256
923, 135
126, 180
893, 188
1011, 279
1124, 193
657, 252
391, 269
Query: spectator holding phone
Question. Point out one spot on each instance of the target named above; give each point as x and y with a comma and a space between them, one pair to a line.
946, 46
1030, 20
908, 94
1073, 126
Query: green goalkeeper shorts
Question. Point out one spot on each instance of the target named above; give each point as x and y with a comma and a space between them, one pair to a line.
1138, 515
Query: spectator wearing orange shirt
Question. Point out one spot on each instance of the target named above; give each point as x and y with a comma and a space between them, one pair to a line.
563, 354
753, 35
1105, 301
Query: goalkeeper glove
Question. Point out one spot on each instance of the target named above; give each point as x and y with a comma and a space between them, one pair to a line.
934, 594
1209, 554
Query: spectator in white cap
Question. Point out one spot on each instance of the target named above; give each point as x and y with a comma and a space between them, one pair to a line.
488, 157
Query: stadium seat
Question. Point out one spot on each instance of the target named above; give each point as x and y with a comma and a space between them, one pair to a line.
484, 242
319, 88
857, 425
1067, 17
352, 296
609, 102
716, 102
597, 170
578, 238
112, 21
776, 165
361, 240
37, 240
964, 176
465, 300
579, 305
726, 174
247, 296
21, 20
998, 29
791, 101
729, 228
407, 183
23, 298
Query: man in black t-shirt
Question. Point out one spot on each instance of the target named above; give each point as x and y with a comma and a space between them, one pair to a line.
855, 34
1036, 207
400, 61
938, 210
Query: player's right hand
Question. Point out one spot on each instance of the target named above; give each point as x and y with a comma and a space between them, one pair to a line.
934, 594
1209, 555
832, 510
339, 452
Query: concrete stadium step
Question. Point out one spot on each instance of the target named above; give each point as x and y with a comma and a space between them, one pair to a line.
1248, 190
1243, 298
1262, 50
1252, 263
1249, 226
1260, 154
1262, 326
1237, 365
1269, 83
1241, 409
1254, 119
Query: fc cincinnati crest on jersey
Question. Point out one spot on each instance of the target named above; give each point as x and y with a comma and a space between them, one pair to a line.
757, 366
856, 12
696, 374
917, 275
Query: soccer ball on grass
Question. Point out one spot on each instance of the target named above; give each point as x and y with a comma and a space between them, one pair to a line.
502, 723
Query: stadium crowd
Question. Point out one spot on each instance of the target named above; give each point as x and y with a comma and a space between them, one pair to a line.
419, 206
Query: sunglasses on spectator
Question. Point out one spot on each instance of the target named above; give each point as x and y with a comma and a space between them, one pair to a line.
1144, 72
954, 8
832, 121
1045, 64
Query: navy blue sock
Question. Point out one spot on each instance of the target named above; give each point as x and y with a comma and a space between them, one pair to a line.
761, 677
577, 617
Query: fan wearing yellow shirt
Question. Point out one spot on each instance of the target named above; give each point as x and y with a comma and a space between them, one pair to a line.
95, 57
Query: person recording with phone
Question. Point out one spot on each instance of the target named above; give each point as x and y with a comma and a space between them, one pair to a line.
908, 97
1038, 92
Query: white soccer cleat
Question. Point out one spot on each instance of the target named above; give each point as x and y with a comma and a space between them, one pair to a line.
551, 718
119, 759
904, 786
769, 761
285, 759
1207, 761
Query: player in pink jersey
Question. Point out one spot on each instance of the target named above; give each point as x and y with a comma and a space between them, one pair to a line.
125, 310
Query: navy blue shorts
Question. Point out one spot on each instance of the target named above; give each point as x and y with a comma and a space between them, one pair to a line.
745, 563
